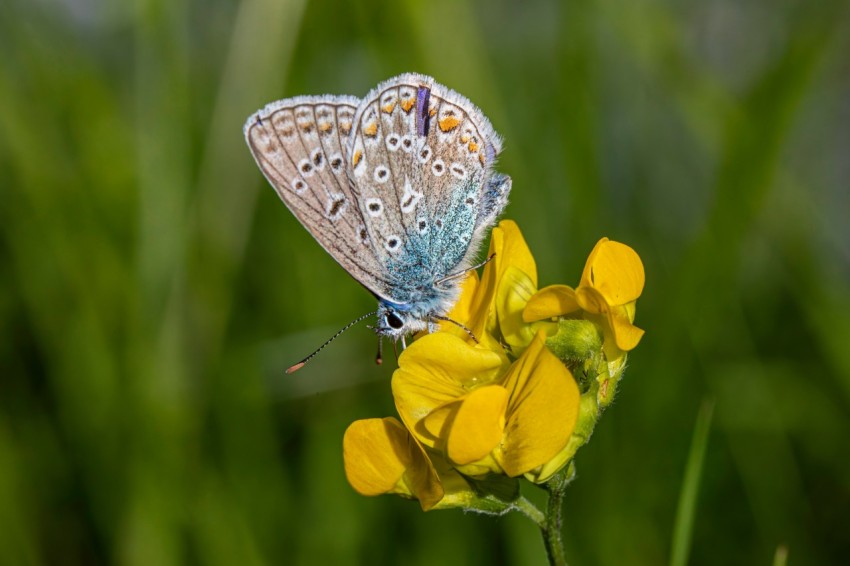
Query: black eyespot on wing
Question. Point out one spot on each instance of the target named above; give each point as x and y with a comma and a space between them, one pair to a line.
337, 205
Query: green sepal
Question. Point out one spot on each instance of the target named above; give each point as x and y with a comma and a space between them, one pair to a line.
501, 487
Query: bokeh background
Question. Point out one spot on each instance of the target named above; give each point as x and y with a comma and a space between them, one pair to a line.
153, 288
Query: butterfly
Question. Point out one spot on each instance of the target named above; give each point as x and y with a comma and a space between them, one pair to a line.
398, 187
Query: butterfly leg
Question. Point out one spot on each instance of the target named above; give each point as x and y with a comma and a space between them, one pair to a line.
459, 325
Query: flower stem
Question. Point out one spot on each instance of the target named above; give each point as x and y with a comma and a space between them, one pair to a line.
552, 534
528, 509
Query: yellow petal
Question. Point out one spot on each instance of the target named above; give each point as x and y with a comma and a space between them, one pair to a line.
616, 271
435, 426
469, 312
435, 370
512, 295
510, 250
462, 311
542, 409
375, 455
626, 334
514, 250
381, 457
478, 424
551, 301
591, 300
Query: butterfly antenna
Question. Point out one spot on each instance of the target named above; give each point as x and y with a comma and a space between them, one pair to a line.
465, 271
459, 325
302, 363
379, 359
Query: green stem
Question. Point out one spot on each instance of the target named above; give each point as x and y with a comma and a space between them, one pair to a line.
552, 531
528, 509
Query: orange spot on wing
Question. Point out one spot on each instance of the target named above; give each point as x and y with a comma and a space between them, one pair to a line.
388, 108
449, 123
345, 127
371, 130
432, 111
473, 147
358, 155
325, 126
407, 104
464, 138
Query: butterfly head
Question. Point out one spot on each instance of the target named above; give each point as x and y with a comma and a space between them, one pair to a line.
393, 322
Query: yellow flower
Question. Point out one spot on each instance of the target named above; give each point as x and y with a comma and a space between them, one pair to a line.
492, 306
381, 457
610, 285
457, 399
477, 414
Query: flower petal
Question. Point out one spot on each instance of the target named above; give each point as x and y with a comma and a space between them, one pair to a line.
626, 334
435, 370
510, 250
478, 425
551, 301
514, 250
542, 409
462, 311
381, 457
512, 295
591, 300
616, 271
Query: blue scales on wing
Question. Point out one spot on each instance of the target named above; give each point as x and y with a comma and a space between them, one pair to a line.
420, 158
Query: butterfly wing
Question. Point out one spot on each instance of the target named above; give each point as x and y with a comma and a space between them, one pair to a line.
420, 158
299, 144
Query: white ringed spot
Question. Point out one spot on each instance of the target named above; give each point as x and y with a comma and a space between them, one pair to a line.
382, 174
374, 207
438, 167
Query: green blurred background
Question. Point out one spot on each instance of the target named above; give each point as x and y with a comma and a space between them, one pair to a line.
153, 288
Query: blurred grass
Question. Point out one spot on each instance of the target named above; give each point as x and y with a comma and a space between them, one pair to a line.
153, 289
687, 510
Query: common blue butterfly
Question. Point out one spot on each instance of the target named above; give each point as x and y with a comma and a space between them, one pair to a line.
398, 187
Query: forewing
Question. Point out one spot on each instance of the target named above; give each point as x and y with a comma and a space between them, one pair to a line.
420, 158
299, 144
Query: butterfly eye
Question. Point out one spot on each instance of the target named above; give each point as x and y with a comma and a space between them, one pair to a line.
394, 321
